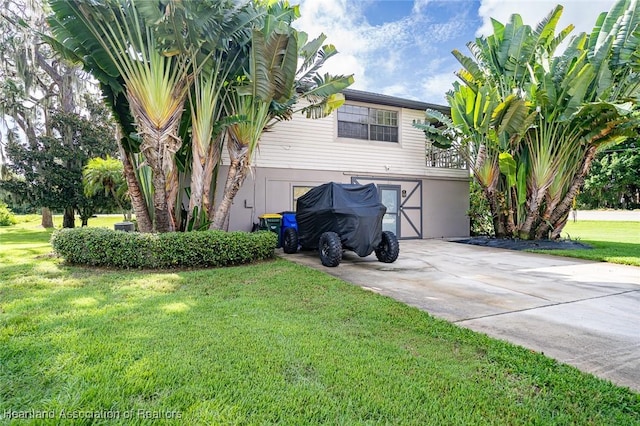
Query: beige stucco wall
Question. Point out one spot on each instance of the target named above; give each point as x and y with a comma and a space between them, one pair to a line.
270, 190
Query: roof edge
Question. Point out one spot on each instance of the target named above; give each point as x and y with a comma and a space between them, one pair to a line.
376, 98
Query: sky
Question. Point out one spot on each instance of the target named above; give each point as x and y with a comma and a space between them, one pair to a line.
403, 47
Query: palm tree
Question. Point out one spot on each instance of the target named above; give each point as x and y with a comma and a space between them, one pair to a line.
105, 175
271, 89
218, 68
530, 122
155, 85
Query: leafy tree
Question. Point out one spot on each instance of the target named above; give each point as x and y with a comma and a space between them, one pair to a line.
7, 218
106, 176
614, 179
52, 166
34, 83
480, 220
530, 122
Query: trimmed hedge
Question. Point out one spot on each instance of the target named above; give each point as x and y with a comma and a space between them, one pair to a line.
106, 247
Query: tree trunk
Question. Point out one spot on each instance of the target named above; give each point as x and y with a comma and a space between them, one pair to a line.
158, 155
137, 199
235, 178
511, 205
47, 218
565, 205
173, 192
112, 190
161, 208
532, 208
555, 233
210, 180
160, 142
556, 215
202, 168
69, 218
493, 197
196, 205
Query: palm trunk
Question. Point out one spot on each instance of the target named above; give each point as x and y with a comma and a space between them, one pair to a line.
173, 190
235, 178
558, 227
555, 216
160, 142
137, 199
535, 198
209, 181
198, 167
160, 160
576, 185
494, 205
160, 205
511, 203
47, 218
117, 200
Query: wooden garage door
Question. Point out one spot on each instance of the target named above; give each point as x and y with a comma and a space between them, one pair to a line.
403, 199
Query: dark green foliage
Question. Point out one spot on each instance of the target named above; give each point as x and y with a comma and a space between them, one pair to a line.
51, 166
614, 179
479, 212
105, 247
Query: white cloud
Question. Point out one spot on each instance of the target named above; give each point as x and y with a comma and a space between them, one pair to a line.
396, 90
411, 57
373, 53
435, 86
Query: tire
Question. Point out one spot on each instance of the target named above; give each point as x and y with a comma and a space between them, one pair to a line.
330, 248
290, 241
388, 249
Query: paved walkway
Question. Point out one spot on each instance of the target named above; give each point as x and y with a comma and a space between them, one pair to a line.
579, 312
609, 215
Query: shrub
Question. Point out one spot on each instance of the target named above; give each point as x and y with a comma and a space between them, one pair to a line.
105, 247
480, 218
7, 218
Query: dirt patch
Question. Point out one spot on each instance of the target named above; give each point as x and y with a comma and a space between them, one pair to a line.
515, 244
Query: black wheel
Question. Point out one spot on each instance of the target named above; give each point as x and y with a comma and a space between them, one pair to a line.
290, 241
330, 249
389, 249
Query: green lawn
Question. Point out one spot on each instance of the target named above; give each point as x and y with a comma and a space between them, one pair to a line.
267, 343
616, 242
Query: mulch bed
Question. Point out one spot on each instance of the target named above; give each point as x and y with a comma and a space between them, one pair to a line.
515, 244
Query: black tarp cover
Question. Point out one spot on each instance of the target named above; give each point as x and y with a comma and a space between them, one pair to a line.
354, 212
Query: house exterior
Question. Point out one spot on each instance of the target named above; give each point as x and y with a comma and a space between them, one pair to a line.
369, 139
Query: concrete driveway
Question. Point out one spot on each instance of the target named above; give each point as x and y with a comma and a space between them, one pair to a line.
586, 314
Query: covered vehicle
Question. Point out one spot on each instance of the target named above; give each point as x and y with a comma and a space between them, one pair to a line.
335, 217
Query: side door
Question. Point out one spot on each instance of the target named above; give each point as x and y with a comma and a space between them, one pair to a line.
390, 197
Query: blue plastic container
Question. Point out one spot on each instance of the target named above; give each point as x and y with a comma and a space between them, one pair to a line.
288, 221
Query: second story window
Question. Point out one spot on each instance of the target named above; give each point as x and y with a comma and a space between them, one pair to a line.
372, 124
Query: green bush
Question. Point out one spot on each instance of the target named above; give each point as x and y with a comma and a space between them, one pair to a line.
105, 247
480, 218
7, 218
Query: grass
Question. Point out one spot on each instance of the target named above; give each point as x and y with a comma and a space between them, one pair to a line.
266, 343
615, 242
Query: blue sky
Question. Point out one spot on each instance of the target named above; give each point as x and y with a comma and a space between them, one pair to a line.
403, 47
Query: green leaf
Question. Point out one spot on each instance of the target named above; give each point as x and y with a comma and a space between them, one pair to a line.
507, 166
521, 183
